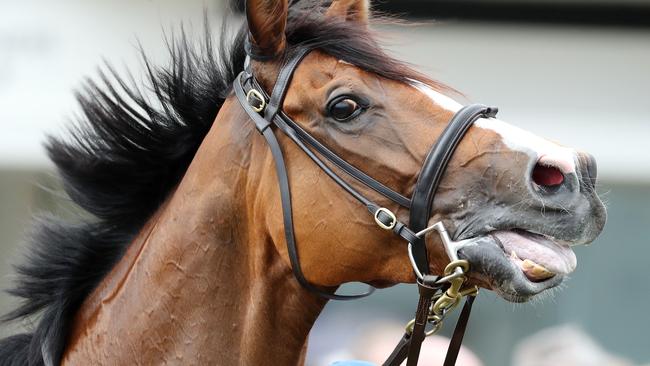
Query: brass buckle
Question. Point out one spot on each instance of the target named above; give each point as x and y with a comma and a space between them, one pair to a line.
446, 301
389, 213
254, 93
451, 298
434, 320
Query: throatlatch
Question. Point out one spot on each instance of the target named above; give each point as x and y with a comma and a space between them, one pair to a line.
438, 296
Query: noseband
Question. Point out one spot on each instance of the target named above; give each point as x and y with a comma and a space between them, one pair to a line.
437, 295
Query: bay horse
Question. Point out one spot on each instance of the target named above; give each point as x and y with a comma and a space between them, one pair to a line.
183, 257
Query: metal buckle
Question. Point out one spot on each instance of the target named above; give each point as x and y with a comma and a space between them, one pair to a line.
435, 320
446, 301
389, 213
254, 93
454, 275
451, 248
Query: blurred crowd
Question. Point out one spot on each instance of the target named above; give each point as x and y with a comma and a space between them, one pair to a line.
564, 345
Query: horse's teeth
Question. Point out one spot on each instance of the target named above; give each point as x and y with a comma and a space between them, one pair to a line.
535, 271
514, 255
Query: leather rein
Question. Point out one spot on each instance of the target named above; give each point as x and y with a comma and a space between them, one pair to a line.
437, 295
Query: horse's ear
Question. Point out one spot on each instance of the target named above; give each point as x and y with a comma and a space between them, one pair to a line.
267, 21
351, 10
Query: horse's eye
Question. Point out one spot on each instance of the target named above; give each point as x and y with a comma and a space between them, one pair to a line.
344, 109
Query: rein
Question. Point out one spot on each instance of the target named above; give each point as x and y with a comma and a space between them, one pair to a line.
437, 295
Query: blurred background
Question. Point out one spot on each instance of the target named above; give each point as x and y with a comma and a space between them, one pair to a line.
574, 71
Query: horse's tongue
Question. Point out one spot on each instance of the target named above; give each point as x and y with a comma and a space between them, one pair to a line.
537, 256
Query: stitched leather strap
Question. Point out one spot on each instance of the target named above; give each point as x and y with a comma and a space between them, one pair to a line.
434, 167
459, 333
274, 113
263, 124
282, 83
427, 290
348, 168
401, 350
284, 124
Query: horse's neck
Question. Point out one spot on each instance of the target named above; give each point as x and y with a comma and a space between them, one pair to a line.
200, 284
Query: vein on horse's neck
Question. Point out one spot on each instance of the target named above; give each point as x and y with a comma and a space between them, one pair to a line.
200, 285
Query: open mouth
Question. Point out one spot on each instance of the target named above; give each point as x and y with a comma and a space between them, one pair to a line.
539, 257
518, 264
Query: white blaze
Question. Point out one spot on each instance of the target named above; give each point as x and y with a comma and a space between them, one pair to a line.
440, 99
548, 153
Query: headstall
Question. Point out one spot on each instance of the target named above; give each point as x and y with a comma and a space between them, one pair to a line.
438, 295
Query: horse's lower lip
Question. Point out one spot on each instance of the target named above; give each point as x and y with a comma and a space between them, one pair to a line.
490, 266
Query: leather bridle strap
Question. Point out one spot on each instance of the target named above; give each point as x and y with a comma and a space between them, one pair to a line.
273, 112
434, 167
285, 197
421, 205
348, 168
243, 86
403, 348
427, 289
459, 332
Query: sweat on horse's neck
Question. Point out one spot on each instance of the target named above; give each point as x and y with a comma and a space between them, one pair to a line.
200, 284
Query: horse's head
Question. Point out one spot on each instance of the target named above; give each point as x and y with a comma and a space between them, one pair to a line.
522, 201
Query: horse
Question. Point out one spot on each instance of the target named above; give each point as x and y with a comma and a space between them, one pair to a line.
186, 254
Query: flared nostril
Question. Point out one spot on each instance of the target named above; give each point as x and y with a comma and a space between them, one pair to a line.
554, 171
547, 176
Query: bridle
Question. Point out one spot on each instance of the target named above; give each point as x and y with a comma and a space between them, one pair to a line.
437, 295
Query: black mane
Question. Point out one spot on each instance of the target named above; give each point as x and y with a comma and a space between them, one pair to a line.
128, 151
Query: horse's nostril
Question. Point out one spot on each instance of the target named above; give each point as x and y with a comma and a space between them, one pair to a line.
547, 176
